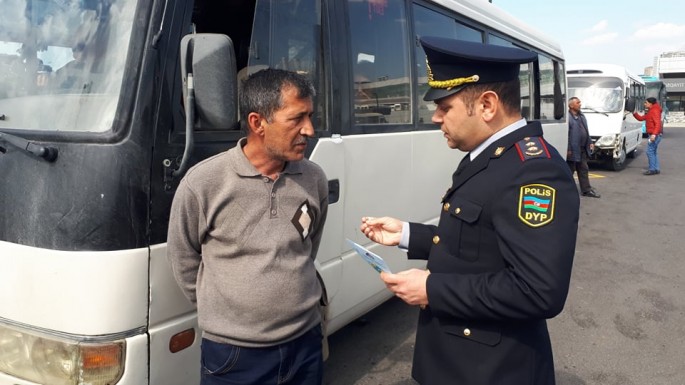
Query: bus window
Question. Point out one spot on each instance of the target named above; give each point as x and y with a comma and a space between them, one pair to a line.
380, 62
287, 36
62, 64
559, 90
527, 80
547, 84
496, 40
431, 23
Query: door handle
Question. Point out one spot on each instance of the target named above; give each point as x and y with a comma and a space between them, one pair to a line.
333, 191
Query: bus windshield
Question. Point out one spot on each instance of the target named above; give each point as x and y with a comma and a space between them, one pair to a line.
62, 63
597, 93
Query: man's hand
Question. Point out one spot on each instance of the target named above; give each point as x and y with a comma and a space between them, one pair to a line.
409, 285
384, 230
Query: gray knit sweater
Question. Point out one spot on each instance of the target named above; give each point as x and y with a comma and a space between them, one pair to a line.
242, 248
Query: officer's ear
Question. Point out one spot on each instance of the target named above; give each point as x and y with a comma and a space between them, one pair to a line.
488, 102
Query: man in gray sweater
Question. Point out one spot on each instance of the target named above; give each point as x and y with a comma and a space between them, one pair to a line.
244, 230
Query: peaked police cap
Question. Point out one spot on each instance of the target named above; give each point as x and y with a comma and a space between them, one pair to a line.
455, 64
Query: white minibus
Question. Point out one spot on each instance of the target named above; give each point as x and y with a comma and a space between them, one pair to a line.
603, 90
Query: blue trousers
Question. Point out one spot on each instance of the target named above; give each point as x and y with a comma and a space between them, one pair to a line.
652, 158
299, 361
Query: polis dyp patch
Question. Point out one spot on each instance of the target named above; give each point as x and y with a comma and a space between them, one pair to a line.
536, 204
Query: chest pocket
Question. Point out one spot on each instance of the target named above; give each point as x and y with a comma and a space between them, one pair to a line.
463, 220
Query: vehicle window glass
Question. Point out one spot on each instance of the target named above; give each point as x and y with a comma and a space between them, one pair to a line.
380, 62
64, 59
287, 35
431, 23
561, 77
496, 40
547, 76
527, 80
560, 89
597, 94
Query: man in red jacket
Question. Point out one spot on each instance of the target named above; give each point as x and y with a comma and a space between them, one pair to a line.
653, 127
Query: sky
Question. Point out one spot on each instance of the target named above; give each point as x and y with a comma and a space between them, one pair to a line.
630, 33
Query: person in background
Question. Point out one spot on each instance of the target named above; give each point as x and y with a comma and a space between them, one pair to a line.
500, 258
244, 230
653, 127
580, 147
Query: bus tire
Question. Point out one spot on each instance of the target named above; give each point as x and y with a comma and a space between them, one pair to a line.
618, 164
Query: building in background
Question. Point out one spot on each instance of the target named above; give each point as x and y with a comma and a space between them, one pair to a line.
670, 67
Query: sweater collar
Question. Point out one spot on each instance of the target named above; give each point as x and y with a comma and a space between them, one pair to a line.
242, 166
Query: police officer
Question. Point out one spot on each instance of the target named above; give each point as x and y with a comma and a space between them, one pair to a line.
499, 261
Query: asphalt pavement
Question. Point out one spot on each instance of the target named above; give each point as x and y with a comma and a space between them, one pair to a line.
624, 320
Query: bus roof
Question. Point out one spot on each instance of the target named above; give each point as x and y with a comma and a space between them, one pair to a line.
649, 79
601, 69
497, 19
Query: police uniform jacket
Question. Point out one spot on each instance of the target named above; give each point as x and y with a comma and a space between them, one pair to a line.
500, 262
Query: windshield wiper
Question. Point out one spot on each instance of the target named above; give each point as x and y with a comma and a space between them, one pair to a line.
594, 110
46, 152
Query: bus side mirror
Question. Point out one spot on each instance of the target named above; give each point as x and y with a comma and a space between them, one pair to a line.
208, 68
630, 104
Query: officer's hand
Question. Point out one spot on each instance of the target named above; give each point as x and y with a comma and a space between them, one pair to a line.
384, 230
409, 285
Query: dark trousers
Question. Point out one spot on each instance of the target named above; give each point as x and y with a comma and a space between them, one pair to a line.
583, 171
298, 362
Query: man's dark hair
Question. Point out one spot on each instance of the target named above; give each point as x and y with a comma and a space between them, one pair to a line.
509, 94
261, 92
651, 100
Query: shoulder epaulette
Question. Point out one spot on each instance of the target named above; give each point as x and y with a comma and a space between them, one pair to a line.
532, 148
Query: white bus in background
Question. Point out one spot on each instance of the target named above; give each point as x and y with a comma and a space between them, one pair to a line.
89, 166
604, 90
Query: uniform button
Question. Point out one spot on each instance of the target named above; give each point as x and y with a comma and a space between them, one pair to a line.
446, 206
266, 180
467, 332
436, 239
273, 212
457, 210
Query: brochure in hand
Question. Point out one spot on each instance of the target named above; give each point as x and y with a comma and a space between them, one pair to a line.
371, 258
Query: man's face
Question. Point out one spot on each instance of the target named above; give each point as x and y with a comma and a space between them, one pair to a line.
460, 124
574, 105
285, 135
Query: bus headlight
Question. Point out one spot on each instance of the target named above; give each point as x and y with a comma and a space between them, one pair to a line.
50, 360
606, 141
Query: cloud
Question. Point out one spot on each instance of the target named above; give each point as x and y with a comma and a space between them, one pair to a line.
599, 34
603, 38
600, 26
660, 31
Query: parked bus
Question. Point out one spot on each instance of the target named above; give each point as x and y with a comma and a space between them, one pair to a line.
655, 88
603, 90
91, 153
